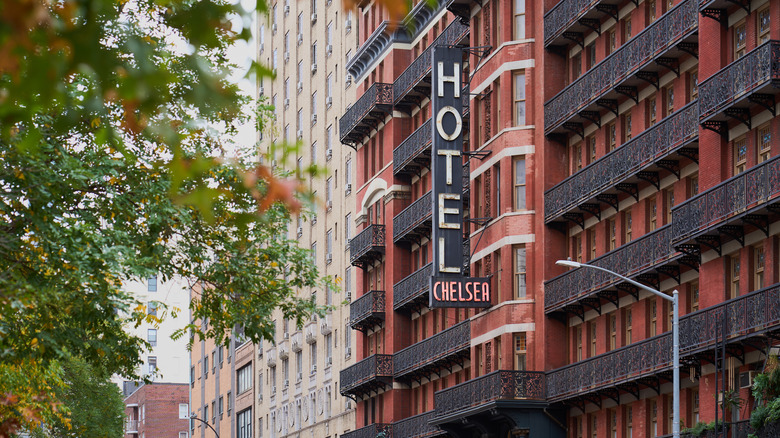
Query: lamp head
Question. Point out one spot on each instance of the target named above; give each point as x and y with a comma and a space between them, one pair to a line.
568, 263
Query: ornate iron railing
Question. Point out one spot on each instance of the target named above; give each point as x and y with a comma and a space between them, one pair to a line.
435, 349
641, 50
366, 309
367, 244
754, 313
411, 148
563, 15
377, 368
758, 67
377, 95
630, 259
752, 188
498, 385
412, 287
412, 216
416, 427
421, 67
371, 431
658, 141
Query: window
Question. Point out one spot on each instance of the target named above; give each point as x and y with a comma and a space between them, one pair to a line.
612, 234
244, 379
313, 357
653, 317
628, 223
652, 110
329, 38
329, 349
314, 108
519, 96
205, 412
740, 155
669, 100
627, 128
651, 10
758, 267
221, 406
519, 183
152, 361
151, 337
314, 252
594, 426
592, 244
734, 267
695, 404
762, 27
611, 41
519, 11
192, 375
694, 84
151, 308
669, 205
520, 272
629, 422
348, 176
593, 335
652, 213
184, 411
577, 248
763, 141
520, 351
694, 298
576, 158
329, 194
591, 145
244, 424
213, 412
151, 284
206, 366
611, 136
329, 91
654, 417
576, 66
628, 328
348, 282
591, 55
612, 331
612, 415
578, 340
626, 29
299, 365
740, 40
693, 185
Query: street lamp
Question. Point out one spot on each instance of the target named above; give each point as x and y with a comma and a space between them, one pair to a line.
675, 333
195, 417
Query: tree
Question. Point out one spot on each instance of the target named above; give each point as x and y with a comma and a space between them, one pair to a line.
114, 119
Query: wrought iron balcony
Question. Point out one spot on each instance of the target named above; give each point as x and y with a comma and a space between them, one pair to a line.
371, 431
569, 19
367, 311
448, 347
750, 81
366, 114
488, 389
642, 59
369, 375
730, 209
413, 85
749, 317
645, 258
412, 291
413, 221
368, 246
658, 148
414, 152
417, 426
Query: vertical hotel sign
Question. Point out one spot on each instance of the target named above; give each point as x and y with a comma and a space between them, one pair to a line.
448, 287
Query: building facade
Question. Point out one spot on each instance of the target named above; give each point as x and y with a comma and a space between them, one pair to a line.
583, 131
158, 410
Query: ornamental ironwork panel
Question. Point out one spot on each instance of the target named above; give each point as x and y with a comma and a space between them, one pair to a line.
413, 216
371, 431
563, 15
416, 427
421, 66
644, 253
756, 68
372, 368
414, 286
367, 244
498, 385
654, 40
434, 349
418, 142
379, 94
369, 306
653, 144
708, 210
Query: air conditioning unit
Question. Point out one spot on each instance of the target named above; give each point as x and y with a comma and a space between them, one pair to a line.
286, 336
349, 298
262, 91
329, 101
746, 379
313, 119
300, 86
273, 28
287, 10
328, 154
329, 361
348, 189
286, 383
349, 79
300, 376
286, 56
329, 205
314, 220
260, 396
314, 68
300, 231
300, 133
348, 25
313, 369
329, 49
348, 405
286, 102
273, 389
349, 351
313, 17
329, 257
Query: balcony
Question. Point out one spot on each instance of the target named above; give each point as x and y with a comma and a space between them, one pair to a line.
131, 426
731, 209
749, 82
371, 374
368, 246
412, 291
371, 431
569, 19
414, 221
659, 148
444, 349
417, 426
414, 153
366, 114
413, 85
642, 59
368, 311
484, 392
746, 321
645, 259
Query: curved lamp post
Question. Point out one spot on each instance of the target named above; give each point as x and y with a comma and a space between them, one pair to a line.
195, 417
674, 299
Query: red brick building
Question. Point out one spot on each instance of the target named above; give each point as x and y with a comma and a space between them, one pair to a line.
639, 136
158, 410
